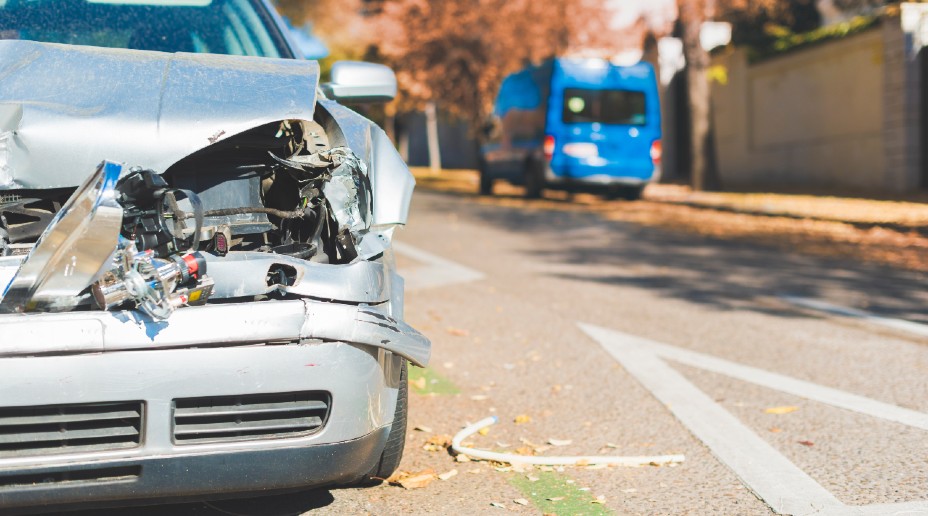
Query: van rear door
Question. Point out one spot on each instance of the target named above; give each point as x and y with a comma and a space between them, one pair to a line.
605, 126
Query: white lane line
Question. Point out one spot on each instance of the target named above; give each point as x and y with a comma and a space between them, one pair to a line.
794, 386
435, 271
888, 322
770, 475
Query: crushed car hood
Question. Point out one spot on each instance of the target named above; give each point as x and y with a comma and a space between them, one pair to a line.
63, 108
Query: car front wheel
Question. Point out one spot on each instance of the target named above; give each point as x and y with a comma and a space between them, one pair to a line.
396, 440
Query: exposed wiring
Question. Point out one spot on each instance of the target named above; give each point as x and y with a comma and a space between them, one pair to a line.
512, 458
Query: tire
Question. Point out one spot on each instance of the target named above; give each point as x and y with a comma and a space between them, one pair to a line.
396, 440
534, 180
486, 182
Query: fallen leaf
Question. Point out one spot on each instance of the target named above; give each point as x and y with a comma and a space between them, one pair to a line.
484, 431
520, 501
775, 430
475, 471
449, 474
559, 442
555, 499
806, 443
418, 383
781, 410
525, 450
610, 445
532, 478
415, 480
522, 419
461, 458
457, 332
582, 462
422, 428
599, 499
497, 505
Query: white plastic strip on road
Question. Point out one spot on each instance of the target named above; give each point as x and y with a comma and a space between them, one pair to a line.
770, 475
581, 460
435, 271
887, 322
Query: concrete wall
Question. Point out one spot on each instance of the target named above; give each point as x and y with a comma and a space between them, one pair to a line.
814, 118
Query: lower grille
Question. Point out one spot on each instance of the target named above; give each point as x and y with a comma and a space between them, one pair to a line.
54, 429
256, 416
58, 478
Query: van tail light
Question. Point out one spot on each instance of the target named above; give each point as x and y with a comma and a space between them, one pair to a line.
549, 147
657, 152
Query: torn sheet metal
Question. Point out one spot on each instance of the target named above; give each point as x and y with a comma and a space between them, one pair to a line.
73, 251
248, 274
391, 181
241, 323
77, 105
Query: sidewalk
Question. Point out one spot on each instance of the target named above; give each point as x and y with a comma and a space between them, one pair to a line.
888, 233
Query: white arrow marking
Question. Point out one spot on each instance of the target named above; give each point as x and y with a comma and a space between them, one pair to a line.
435, 272
771, 476
842, 311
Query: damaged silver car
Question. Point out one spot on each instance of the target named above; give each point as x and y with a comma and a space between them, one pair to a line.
199, 292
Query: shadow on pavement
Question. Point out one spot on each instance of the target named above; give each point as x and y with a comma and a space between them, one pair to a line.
278, 505
723, 274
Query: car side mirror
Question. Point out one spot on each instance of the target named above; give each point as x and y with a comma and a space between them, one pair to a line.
356, 82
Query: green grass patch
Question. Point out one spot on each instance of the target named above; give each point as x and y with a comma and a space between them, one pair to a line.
551, 494
428, 381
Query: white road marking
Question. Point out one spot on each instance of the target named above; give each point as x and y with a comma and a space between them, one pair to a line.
888, 322
794, 386
435, 272
771, 476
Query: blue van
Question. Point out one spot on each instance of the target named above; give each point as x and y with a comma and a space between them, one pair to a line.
575, 124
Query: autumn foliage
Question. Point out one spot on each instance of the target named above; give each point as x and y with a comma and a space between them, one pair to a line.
456, 52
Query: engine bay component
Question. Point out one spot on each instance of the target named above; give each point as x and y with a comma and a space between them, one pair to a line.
152, 214
156, 286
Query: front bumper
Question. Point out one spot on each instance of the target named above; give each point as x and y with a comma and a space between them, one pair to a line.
197, 477
361, 382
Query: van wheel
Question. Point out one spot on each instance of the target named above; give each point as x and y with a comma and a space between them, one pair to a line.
534, 179
396, 440
486, 182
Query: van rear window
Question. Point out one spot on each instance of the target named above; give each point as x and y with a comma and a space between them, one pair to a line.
616, 107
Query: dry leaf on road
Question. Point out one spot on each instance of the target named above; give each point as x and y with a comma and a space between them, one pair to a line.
449, 474
422, 428
412, 480
781, 410
522, 419
559, 442
807, 443
520, 501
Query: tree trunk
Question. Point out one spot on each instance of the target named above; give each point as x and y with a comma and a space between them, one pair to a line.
431, 129
692, 16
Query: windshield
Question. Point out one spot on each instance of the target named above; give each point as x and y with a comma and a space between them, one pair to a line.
617, 107
233, 27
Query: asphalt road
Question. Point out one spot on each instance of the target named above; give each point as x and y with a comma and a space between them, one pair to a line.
625, 340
